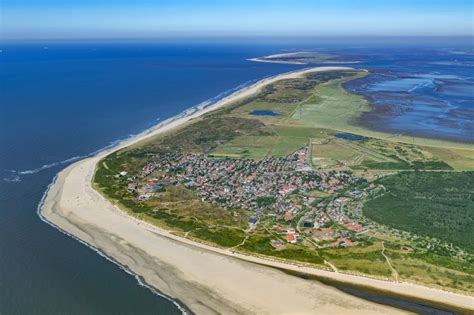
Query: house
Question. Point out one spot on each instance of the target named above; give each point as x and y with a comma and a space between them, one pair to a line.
286, 189
288, 216
190, 183
291, 236
144, 197
323, 235
132, 187
354, 227
342, 242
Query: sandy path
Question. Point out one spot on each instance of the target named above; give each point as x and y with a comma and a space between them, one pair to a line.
205, 279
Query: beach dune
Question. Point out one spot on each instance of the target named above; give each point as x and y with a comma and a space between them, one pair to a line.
207, 280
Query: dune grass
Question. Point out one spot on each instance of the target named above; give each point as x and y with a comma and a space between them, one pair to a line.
311, 110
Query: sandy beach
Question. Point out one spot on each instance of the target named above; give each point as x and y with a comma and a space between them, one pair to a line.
274, 59
271, 58
206, 279
262, 59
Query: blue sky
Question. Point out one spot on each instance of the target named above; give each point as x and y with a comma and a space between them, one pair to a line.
188, 18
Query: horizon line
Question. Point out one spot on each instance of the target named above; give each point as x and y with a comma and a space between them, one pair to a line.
234, 37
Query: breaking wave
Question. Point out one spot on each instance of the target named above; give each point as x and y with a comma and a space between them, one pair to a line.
224, 94
17, 175
12, 179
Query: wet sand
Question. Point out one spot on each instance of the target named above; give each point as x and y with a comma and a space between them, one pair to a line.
206, 279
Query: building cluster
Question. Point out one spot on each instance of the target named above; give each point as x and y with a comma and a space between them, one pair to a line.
335, 210
278, 187
260, 186
318, 223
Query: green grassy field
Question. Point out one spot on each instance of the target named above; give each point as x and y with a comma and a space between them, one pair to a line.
370, 262
314, 110
311, 111
259, 242
461, 159
332, 106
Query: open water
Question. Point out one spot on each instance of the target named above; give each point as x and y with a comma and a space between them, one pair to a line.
60, 102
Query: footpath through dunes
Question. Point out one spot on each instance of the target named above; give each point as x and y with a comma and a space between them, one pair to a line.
204, 280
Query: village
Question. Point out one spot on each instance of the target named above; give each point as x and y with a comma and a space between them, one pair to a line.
284, 189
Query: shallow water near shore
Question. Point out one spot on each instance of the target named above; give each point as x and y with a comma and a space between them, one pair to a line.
420, 97
60, 102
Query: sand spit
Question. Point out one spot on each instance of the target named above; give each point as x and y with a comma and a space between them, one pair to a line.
206, 279
277, 59
264, 59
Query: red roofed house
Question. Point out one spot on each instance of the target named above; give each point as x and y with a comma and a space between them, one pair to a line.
291, 236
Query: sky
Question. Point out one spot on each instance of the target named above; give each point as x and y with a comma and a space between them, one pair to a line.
39, 19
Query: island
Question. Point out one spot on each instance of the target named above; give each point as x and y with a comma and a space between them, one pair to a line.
304, 58
223, 208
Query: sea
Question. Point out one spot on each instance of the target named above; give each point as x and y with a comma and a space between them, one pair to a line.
61, 101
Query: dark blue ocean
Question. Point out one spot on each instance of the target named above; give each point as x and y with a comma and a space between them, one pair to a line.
63, 101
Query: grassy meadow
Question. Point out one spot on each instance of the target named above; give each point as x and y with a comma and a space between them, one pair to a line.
429, 197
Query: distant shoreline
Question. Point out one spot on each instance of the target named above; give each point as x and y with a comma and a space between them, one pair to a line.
263, 59
275, 59
73, 205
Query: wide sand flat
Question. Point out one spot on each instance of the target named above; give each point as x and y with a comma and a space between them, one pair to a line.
206, 279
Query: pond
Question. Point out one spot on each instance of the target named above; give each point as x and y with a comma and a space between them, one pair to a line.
264, 113
349, 136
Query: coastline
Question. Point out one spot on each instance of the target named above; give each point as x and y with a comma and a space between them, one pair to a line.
274, 59
141, 282
264, 59
205, 278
